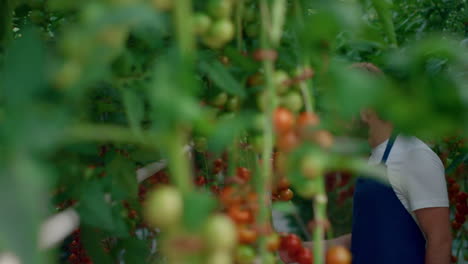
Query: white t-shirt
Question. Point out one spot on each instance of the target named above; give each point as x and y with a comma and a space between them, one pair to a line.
415, 173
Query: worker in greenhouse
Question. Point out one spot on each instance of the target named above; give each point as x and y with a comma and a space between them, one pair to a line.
407, 219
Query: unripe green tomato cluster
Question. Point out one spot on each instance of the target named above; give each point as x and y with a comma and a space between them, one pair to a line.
289, 97
220, 239
251, 25
164, 207
223, 101
215, 27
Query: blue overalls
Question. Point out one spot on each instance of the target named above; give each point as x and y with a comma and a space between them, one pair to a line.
383, 231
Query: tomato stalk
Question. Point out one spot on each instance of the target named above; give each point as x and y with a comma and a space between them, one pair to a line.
309, 101
184, 29
320, 217
268, 67
114, 133
239, 13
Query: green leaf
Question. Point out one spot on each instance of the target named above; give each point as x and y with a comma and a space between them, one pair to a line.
228, 127
124, 182
25, 71
197, 207
134, 109
93, 209
383, 8
136, 251
222, 78
93, 242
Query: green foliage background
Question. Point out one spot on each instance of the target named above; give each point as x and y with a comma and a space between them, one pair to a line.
79, 75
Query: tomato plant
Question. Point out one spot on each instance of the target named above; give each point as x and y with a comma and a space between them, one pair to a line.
188, 124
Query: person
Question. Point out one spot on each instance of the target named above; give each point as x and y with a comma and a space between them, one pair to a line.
402, 218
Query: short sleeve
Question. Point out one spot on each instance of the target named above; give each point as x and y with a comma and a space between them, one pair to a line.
425, 180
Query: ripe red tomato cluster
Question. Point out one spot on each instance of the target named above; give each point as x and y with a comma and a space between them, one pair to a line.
459, 200
291, 131
78, 253
292, 249
282, 191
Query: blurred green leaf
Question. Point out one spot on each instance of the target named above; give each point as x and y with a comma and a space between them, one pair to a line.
136, 251
134, 107
222, 78
25, 57
93, 209
123, 175
228, 127
197, 207
93, 242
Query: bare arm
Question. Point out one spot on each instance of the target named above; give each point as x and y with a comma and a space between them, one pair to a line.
435, 224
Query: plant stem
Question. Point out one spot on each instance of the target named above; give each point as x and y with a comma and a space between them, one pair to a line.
239, 13
178, 162
266, 166
308, 98
114, 133
183, 22
320, 212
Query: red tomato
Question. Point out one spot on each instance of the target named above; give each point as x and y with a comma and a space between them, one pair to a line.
304, 256
288, 141
273, 242
338, 255
228, 196
243, 174
240, 216
291, 243
283, 120
306, 120
200, 181
286, 195
283, 184
246, 235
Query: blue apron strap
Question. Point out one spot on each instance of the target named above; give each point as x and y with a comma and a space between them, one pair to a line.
388, 148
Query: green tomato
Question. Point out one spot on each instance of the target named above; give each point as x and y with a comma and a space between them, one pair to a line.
292, 101
202, 23
258, 143
164, 207
262, 100
220, 8
233, 103
245, 255
259, 122
308, 189
223, 30
219, 257
279, 79
219, 100
220, 233
269, 259
212, 42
